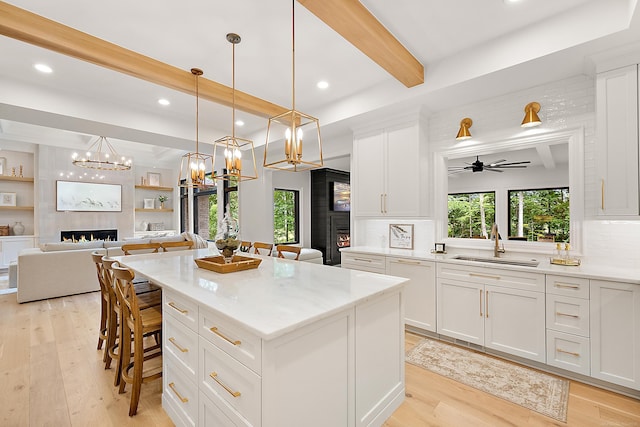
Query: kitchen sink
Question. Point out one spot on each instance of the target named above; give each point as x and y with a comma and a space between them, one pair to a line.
507, 261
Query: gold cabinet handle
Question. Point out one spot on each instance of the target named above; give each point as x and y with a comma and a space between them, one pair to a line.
602, 193
214, 375
172, 340
575, 316
566, 286
559, 350
484, 276
218, 333
481, 303
385, 202
486, 305
175, 307
173, 388
362, 260
404, 261
381, 203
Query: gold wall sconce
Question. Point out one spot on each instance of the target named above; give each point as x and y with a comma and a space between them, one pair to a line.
531, 118
464, 133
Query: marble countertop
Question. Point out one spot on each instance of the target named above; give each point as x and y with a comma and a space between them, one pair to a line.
590, 268
277, 297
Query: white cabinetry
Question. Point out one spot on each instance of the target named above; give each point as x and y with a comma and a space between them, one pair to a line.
10, 247
568, 323
617, 142
389, 173
502, 310
363, 261
615, 332
420, 291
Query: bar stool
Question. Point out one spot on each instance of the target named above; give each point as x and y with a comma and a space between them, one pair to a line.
245, 246
104, 301
142, 285
169, 246
114, 323
284, 249
139, 323
262, 248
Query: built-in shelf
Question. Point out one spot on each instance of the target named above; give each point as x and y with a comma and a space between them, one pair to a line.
16, 178
16, 208
153, 210
153, 187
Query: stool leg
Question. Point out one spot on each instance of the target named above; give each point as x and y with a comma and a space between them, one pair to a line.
103, 322
138, 360
125, 354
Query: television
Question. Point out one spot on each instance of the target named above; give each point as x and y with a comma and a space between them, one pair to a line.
341, 197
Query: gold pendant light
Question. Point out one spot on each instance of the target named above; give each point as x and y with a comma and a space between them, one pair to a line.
194, 166
101, 155
232, 148
286, 153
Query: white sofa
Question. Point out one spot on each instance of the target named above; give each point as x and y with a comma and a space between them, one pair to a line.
61, 269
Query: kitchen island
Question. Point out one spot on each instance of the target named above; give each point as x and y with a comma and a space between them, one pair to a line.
286, 344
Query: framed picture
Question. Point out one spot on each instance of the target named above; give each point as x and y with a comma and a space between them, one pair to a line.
148, 203
88, 197
7, 199
3, 165
153, 179
401, 236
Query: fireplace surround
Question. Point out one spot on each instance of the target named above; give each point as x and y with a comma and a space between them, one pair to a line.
88, 235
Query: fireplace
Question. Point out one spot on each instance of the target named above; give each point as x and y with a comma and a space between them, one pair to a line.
343, 238
88, 235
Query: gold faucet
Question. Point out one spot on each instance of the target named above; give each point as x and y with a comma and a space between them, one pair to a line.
495, 235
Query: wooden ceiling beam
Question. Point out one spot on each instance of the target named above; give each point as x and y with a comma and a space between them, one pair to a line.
30, 28
356, 24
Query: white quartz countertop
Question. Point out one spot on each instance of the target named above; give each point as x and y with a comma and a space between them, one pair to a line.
589, 268
277, 297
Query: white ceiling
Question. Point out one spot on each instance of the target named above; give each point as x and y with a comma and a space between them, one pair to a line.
471, 50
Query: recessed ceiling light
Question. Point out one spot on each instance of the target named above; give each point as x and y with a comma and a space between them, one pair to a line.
43, 68
163, 101
322, 84
239, 123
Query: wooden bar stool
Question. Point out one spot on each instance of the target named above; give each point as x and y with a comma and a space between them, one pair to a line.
286, 249
114, 316
262, 248
245, 246
176, 246
142, 285
104, 302
139, 323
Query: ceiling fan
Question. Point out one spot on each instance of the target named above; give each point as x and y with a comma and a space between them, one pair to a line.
479, 166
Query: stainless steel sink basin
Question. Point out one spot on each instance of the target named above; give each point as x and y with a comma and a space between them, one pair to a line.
507, 261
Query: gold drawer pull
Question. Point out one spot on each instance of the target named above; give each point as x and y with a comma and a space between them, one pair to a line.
215, 331
481, 315
485, 276
404, 261
575, 316
173, 388
363, 260
559, 350
172, 340
566, 286
173, 305
214, 375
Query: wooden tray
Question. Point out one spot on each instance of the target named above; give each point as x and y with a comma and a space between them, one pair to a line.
565, 261
217, 263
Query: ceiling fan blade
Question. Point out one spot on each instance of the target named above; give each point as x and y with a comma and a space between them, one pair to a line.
510, 167
497, 161
492, 169
515, 163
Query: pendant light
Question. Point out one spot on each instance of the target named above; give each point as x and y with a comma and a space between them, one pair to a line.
101, 155
232, 148
194, 166
290, 128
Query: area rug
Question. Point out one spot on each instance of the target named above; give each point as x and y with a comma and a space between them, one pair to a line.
526, 387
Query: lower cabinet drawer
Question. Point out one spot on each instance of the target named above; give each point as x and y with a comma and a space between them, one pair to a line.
210, 415
570, 352
228, 383
567, 314
181, 308
365, 262
181, 347
181, 395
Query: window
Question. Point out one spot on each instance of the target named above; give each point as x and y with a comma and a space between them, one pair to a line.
471, 214
205, 215
539, 215
285, 216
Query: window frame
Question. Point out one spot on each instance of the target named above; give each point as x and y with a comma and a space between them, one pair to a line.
495, 209
510, 191
296, 202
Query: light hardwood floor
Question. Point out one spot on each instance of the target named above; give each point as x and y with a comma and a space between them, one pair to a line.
52, 375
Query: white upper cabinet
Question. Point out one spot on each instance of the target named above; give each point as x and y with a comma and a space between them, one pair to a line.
389, 173
617, 143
